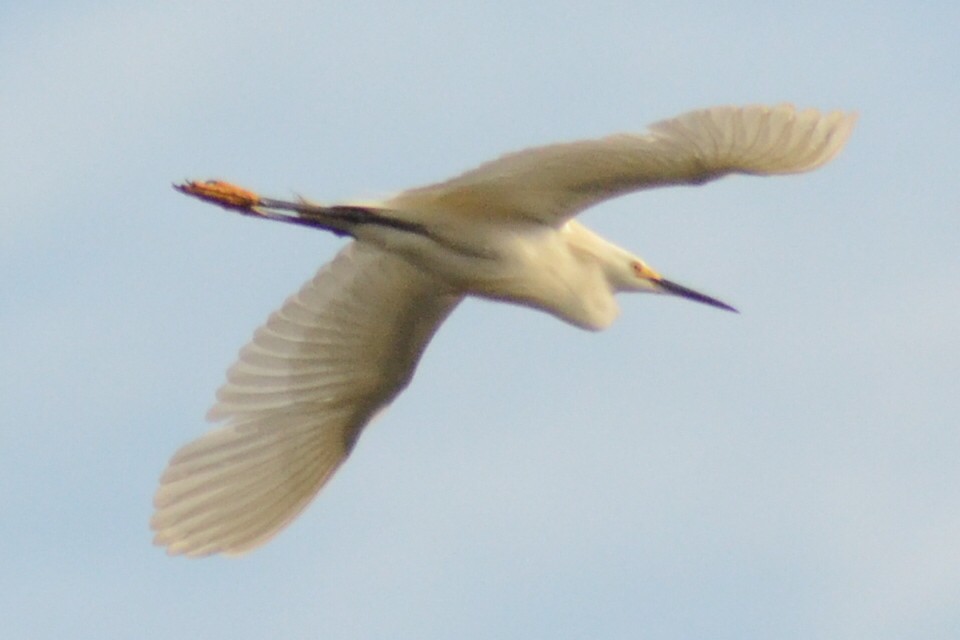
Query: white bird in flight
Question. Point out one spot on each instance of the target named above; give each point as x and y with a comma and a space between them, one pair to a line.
341, 349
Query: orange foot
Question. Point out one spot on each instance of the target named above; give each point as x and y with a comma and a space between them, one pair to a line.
226, 195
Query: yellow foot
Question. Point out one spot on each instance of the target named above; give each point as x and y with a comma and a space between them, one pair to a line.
226, 195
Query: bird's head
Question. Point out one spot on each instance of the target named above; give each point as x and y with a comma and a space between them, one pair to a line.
625, 271
638, 276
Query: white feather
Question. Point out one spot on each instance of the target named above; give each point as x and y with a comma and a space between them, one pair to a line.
296, 400
553, 183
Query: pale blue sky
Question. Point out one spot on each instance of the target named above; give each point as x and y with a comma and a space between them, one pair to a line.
790, 472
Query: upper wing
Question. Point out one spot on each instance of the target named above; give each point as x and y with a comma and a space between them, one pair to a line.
296, 401
553, 183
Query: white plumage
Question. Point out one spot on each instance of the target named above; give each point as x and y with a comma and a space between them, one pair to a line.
348, 342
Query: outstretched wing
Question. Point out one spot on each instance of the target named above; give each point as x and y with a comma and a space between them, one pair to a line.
553, 183
296, 400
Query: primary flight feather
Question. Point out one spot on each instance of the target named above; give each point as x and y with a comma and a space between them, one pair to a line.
348, 342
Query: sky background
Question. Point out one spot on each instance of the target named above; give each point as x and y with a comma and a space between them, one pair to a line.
790, 472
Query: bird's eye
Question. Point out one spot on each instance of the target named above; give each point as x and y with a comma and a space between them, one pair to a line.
639, 269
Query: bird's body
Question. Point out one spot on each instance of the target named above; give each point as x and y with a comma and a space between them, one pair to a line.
558, 270
342, 348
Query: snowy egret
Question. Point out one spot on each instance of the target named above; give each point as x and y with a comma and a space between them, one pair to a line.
347, 343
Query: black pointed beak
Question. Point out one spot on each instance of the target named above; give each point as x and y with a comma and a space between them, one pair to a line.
683, 292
